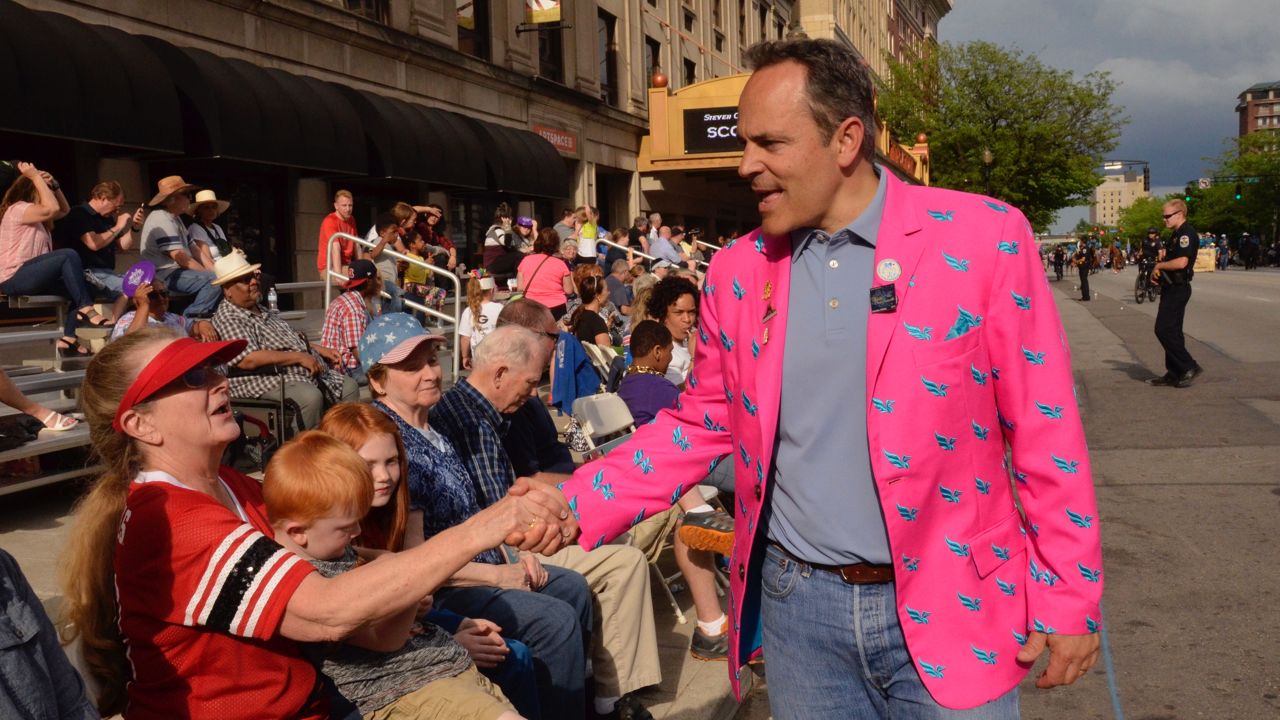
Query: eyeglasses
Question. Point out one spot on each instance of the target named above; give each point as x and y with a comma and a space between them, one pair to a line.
246, 278
198, 376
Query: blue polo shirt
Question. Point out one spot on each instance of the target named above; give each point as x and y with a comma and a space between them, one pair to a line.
824, 508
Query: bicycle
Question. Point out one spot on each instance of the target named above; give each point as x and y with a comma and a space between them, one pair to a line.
1143, 288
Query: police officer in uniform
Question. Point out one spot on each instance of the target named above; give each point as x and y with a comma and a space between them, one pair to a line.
1174, 273
1083, 259
1059, 259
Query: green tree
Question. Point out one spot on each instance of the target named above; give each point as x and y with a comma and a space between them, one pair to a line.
1251, 164
1041, 131
1143, 213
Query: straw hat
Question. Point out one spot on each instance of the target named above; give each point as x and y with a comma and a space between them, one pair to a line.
209, 196
168, 186
230, 267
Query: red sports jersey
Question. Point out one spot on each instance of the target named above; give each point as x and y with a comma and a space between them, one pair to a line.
202, 593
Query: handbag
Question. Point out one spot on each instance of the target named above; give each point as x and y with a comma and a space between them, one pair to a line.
520, 293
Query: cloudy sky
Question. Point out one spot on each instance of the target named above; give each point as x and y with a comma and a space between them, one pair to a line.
1180, 64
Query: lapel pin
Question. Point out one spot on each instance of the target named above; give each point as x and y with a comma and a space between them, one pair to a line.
888, 270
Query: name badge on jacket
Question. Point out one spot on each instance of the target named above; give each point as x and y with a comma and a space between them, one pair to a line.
884, 299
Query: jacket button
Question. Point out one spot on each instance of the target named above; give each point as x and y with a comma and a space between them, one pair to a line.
742, 571
757, 492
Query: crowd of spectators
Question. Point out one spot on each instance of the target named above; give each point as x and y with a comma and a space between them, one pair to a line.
406, 558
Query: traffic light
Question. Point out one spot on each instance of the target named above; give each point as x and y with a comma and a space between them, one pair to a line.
1187, 195
1238, 192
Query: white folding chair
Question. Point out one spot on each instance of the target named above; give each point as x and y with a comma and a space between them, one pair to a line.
601, 416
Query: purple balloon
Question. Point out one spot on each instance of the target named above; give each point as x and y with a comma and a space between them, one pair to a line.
144, 271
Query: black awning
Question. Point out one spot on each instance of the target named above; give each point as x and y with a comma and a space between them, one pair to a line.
522, 162
67, 79
413, 142
234, 109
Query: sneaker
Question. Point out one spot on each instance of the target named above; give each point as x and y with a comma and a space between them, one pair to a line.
1189, 377
709, 647
708, 531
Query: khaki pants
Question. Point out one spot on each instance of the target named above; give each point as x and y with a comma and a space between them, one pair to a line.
469, 696
624, 645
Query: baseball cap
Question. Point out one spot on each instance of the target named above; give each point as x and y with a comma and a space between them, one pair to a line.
361, 271
662, 264
676, 230
524, 221
390, 338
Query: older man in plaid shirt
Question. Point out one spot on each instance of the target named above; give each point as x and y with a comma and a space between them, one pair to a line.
276, 353
349, 315
507, 368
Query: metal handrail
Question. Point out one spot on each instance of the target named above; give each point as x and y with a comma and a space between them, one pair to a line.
706, 244
457, 289
642, 254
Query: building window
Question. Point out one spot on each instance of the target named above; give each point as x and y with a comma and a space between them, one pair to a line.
375, 10
742, 21
652, 54
764, 19
690, 72
473, 28
719, 41
779, 28
716, 20
551, 55
606, 37
653, 3
689, 21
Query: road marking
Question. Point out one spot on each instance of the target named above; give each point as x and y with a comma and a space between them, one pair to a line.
1255, 297
1116, 710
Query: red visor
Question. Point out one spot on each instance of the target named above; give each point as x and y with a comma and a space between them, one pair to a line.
169, 364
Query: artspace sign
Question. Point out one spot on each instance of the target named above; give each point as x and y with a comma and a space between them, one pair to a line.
711, 130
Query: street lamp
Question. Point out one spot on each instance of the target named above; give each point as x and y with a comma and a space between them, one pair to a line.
987, 158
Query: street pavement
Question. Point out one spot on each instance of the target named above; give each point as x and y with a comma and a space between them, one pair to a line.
1188, 484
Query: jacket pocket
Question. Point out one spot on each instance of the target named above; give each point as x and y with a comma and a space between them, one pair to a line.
933, 353
997, 544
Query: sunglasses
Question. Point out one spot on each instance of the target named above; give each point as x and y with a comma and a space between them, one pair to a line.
246, 278
1175, 212
198, 377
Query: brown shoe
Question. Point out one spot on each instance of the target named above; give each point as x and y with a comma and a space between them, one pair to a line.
708, 531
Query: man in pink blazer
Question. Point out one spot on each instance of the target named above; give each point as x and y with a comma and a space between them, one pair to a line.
865, 359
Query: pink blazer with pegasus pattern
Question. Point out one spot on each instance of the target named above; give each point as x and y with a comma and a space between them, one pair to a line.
973, 358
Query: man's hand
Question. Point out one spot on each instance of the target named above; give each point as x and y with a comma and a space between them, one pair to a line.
308, 362
483, 642
533, 571
1070, 656
139, 215
204, 332
328, 354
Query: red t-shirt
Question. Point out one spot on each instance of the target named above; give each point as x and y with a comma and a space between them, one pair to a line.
202, 593
330, 225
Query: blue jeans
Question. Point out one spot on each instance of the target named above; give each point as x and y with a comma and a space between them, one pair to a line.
514, 675
836, 651
195, 282
104, 283
56, 273
36, 679
555, 622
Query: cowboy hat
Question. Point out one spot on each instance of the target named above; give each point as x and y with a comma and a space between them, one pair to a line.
208, 196
230, 267
168, 186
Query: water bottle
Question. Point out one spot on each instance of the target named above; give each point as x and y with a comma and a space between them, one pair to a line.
273, 301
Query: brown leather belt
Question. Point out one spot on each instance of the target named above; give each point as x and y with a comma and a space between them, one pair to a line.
855, 574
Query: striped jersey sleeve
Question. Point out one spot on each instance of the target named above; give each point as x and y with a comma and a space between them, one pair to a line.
199, 565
